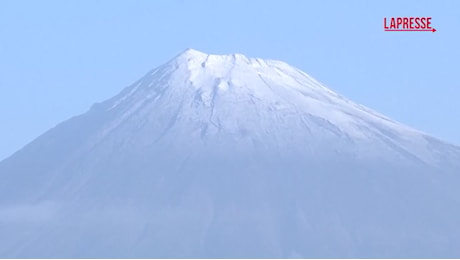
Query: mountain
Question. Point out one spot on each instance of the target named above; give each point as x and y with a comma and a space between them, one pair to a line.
228, 156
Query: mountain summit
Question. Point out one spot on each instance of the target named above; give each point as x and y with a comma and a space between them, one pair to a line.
226, 156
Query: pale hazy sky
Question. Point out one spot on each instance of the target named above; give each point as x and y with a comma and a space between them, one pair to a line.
59, 57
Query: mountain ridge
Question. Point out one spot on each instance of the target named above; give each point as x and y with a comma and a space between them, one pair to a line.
228, 156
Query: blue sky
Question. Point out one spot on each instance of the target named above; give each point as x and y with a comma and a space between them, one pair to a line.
59, 57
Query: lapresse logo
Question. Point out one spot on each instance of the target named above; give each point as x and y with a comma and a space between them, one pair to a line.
408, 24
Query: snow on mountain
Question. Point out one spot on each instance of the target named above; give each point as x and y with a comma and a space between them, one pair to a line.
230, 156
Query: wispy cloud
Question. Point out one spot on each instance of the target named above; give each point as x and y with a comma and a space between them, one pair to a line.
28, 213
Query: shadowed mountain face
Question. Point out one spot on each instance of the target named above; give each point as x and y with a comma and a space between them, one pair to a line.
229, 156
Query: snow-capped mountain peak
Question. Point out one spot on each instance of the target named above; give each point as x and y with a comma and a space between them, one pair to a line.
216, 94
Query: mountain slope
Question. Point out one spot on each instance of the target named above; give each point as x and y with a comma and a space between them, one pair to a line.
229, 156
